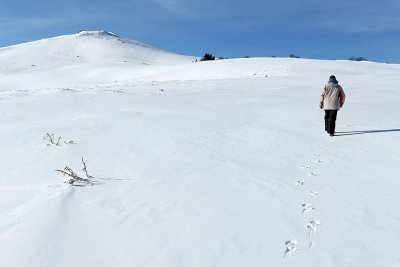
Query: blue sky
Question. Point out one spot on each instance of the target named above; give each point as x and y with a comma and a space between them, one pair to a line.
228, 28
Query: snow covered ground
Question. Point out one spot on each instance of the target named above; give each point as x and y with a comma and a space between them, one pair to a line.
220, 163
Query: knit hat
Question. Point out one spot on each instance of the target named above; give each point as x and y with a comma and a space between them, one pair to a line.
332, 79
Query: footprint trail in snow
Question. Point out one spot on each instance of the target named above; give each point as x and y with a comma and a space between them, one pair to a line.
313, 194
291, 246
312, 226
306, 207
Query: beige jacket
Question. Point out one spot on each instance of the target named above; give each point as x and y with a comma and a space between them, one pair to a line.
332, 97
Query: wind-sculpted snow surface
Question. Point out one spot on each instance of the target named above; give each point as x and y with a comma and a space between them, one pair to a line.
221, 163
84, 58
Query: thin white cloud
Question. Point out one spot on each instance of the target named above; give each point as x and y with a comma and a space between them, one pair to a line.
357, 16
198, 9
17, 28
29, 23
362, 24
176, 6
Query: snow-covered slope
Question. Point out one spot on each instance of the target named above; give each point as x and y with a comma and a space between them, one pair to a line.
86, 57
219, 163
94, 47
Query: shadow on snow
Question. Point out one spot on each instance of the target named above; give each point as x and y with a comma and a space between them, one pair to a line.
365, 132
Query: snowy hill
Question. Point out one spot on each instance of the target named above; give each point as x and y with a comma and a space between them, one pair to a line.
86, 57
98, 47
220, 163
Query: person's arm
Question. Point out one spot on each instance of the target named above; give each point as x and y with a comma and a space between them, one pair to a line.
342, 96
321, 101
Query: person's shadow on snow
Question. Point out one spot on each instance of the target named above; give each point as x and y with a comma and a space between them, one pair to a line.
365, 132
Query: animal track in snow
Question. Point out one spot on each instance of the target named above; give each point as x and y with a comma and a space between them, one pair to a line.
306, 207
291, 246
312, 226
312, 174
316, 154
305, 167
300, 183
318, 161
313, 194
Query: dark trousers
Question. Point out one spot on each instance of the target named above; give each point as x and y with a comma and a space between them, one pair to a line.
330, 121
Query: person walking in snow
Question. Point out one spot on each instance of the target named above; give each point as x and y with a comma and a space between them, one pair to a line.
332, 99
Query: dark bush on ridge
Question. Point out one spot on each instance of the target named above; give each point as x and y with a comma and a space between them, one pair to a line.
358, 59
293, 56
207, 56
